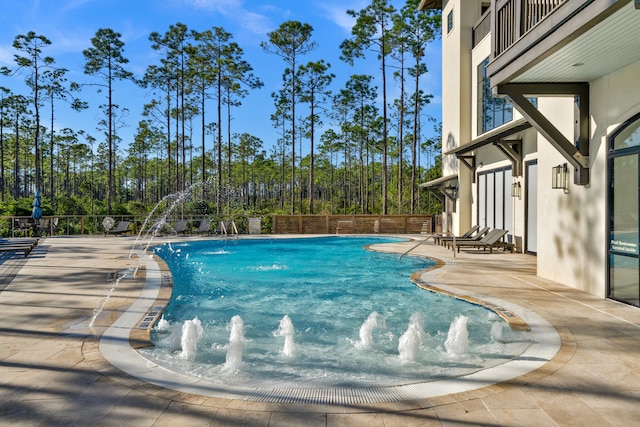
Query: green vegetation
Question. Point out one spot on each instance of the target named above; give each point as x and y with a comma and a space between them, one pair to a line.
360, 161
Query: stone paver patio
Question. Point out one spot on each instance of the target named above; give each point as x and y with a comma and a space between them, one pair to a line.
53, 373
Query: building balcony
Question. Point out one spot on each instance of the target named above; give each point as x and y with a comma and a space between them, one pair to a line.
515, 18
561, 41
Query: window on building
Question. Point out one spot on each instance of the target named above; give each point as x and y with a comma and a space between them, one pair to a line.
450, 21
492, 112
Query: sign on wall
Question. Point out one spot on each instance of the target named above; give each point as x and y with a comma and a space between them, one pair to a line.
623, 246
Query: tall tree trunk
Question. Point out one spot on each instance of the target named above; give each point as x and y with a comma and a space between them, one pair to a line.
311, 159
110, 187
16, 164
176, 184
219, 143
414, 148
168, 189
183, 177
202, 130
293, 136
384, 134
2, 183
36, 139
51, 153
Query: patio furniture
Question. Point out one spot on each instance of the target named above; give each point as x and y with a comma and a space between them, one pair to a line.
491, 240
204, 227
448, 240
438, 238
24, 248
181, 226
24, 225
18, 245
121, 228
157, 228
49, 226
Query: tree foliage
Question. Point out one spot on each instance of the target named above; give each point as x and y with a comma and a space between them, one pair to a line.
338, 149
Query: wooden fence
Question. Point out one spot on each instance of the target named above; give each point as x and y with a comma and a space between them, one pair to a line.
356, 224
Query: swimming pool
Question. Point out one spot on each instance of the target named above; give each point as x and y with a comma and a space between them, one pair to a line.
328, 287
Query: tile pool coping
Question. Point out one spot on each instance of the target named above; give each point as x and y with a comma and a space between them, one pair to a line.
116, 348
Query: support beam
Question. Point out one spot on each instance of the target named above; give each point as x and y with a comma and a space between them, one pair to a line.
451, 194
437, 195
443, 188
470, 162
513, 151
577, 154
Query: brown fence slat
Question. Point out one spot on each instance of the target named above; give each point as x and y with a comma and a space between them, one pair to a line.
356, 224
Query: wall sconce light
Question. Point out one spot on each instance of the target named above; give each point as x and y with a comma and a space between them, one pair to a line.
453, 192
559, 177
516, 190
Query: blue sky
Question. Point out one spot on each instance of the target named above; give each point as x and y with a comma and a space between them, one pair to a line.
70, 25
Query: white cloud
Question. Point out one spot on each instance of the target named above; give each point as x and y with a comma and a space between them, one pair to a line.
338, 15
225, 7
72, 5
255, 23
6, 55
336, 12
251, 22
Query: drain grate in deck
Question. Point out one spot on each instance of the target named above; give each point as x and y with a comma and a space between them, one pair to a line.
150, 318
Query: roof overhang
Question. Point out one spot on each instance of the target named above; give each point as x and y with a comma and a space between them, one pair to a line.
493, 136
445, 181
580, 41
446, 186
430, 4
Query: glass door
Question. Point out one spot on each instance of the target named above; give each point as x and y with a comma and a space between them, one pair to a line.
624, 190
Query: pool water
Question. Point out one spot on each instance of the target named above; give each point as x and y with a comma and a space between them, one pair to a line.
328, 287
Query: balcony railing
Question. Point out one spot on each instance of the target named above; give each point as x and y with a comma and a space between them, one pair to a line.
482, 27
514, 18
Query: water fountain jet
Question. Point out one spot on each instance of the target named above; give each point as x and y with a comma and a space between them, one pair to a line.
162, 325
100, 308
236, 341
410, 342
191, 333
375, 320
286, 330
457, 343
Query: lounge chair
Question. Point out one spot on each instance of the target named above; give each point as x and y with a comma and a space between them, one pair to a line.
438, 238
491, 240
48, 226
18, 245
181, 226
33, 241
448, 240
121, 228
157, 228
24, 248
204, 227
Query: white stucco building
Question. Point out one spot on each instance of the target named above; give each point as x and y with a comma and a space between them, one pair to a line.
533, 89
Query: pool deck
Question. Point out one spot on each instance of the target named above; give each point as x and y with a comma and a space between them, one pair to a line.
53, 373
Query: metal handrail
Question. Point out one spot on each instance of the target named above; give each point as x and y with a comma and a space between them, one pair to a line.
444, 233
